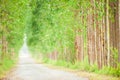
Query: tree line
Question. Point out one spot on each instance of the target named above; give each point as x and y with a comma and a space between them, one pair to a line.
85, 33
76, 31
12, 24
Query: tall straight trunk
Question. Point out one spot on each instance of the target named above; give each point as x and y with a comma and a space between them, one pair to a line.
88, 39
95, 35
98, 44
82, 38
108, 32
90, 35
2, 56
119, 32
95, 44
3, 44
79, 47
117, 29
105, 35
103, 41
103, 38
82, 47
112, 32
101, 47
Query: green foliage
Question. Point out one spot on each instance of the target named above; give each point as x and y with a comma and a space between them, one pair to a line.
52, 25
12, 24
110, 71
114, 54
50, 21
5, 66
12, 21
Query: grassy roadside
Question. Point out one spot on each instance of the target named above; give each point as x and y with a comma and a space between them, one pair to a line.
89, 75
5, 66
81, 73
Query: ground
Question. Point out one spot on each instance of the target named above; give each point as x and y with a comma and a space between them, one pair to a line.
28, 69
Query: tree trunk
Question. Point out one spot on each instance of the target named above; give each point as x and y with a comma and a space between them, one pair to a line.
119, 32
108, 32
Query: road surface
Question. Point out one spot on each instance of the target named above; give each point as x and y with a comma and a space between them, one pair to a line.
28, 69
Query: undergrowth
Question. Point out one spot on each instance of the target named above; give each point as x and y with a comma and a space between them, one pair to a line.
84, 66
5, 66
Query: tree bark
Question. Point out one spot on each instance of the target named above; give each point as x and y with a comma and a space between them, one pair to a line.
108, 32
119, 31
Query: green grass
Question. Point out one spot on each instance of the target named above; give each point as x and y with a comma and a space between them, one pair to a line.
5, 66
110, 71
84, 66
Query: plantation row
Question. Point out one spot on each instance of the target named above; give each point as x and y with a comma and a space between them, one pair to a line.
12, 23
82, 34
78, 32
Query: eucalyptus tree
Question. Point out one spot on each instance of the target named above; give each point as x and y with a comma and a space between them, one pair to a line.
12, 24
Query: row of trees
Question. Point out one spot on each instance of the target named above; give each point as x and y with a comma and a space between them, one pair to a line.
12, 23
83, 31
103, 37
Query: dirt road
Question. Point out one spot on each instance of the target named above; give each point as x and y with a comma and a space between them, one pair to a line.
28, 69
